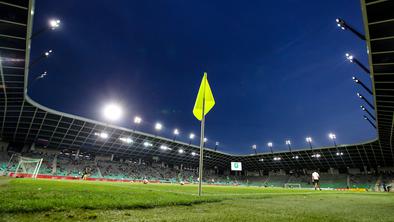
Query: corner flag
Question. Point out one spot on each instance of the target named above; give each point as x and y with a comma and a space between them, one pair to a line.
204, 101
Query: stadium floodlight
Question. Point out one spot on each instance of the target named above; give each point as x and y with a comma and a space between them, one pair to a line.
44, 55
137, 120
191, 137
127, 140
42, 75
270, 145
367, 111
147, 144
261, 160
176, 133
205, 139
102, 135
164, 147
316, 155
341, 24
277, 158
288, 143
48, 53
370, 122
309, 141
158, 126
181, 151
194, 153
54, 24
344, 26
295, 157
339, 153
112, 112
365, 100
254, 147
333, 137
216, 145
362, 85
349, 57
352, 59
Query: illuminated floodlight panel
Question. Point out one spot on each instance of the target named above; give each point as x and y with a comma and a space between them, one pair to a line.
112, 112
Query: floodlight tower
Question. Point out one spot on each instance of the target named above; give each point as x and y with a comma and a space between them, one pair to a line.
44, 55
352, 59
158, 127
333, 137
309, 141
137, 121
372, 124
362, 84
41, 76
288, 143
344, 26
216, 145
191, 137
254, 147
367, 111
53, 24
270, 145
365, 100
176, 133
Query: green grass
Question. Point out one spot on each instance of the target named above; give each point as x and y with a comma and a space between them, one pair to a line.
50, 200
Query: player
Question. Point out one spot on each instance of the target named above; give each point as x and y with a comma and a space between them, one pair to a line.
86, 173
315, 180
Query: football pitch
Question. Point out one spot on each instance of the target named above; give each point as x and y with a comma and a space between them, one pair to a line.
54, 200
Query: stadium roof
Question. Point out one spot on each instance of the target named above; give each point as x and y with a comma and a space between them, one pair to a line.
25, 121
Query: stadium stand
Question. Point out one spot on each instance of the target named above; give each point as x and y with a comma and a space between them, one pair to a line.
67, 165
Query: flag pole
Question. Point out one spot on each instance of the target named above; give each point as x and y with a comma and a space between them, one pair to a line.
200, 167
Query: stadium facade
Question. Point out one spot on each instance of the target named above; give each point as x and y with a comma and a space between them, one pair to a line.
24, 122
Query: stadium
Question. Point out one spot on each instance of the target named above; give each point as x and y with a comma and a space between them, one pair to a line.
59, 166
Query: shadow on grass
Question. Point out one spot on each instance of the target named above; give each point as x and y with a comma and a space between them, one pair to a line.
115, 207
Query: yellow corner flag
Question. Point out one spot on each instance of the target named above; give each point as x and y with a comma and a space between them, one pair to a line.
204, 100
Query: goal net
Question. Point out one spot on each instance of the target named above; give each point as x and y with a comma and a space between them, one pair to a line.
292, 185
29, 166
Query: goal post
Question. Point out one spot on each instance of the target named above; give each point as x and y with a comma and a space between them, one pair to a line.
28, 166
292, 185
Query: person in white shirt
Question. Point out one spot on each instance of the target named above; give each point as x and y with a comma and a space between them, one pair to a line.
315, 180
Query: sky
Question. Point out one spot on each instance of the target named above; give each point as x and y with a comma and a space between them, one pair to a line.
276, 68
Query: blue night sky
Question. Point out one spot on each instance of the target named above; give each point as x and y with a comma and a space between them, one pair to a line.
277, 68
